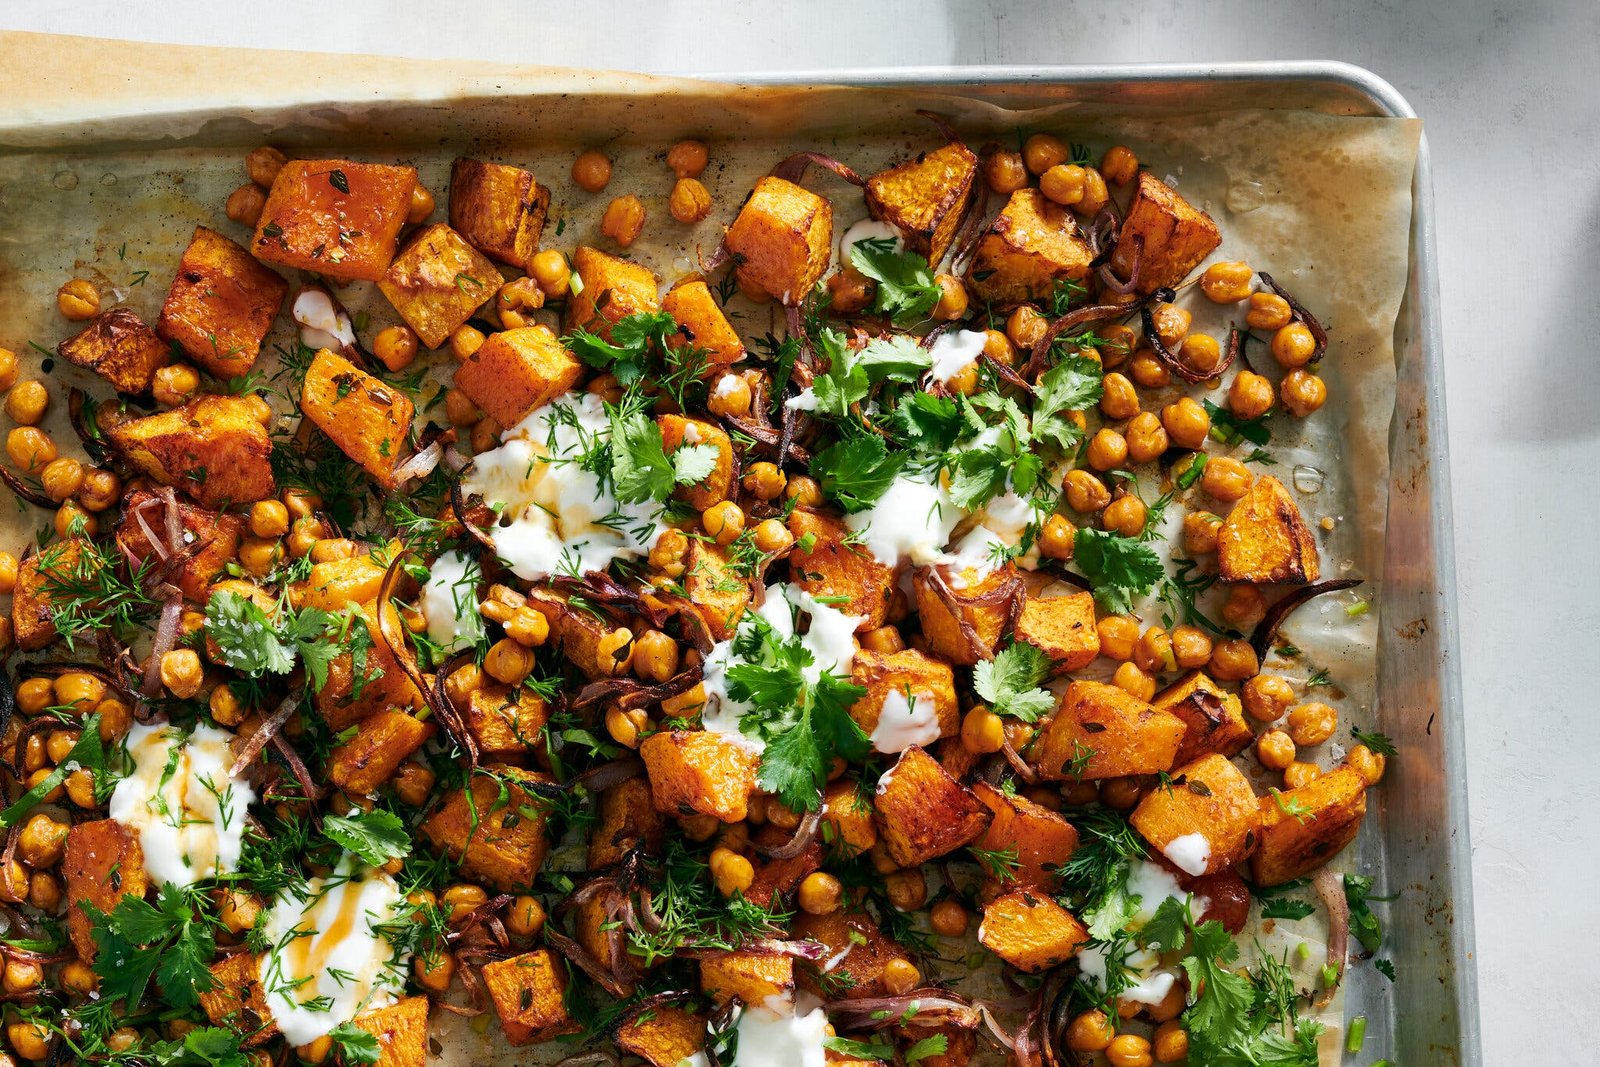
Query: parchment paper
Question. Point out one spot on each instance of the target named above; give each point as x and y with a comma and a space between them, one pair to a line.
110, 153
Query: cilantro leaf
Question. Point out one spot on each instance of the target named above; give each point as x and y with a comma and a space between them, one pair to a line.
212, 1046
140, 940
931, 424
933, 1045
1073, 384
1120, 569
355, 1044
1168, 928
248, 639
376, 836
632, 339
1010, 682
1226, 997
1285, 908
859, 1050
640, 470
857, 471
852, 375
1385, 968
907, 291
694, 463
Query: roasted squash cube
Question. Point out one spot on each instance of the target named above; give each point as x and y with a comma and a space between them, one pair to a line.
677, 432
749, 977
221, 304
628, 819
923, 813
119, 347
368, 419
1214, 717
529, 993
782, 240
715, 592
401, 1030
1301, 829
573, 631
906, 683
702, 326
968, 624
1042, 840
857, 954
1205, 820
591, 928
1264, 539
335, 217
499, 841
698, 771
213, 448
237, 1001
1030, 931
847, 826
383, 741
218, 533
1101, 731
664, 1036
437, 281
103, 863
337, 584
825, 564
1032, 245
1171, 235
506, 723
500, 210
52, 570
925, 198
516, 372
780, 877
349, 696
1058, 619
612, 289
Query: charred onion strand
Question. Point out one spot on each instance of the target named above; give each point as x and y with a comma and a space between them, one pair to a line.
296, 766
794, 168
1152, 337
458, 504
1330, 890
928, 1006
1018, 764
941, 124
1299, 311
265, 733
585, 961
804, 834
633, 693
1040, 358
587, 1059
165, 640
1267, 629
24, 491
82, 411
392, 633
1003, 372
1103, 233
421, 464
1108, 277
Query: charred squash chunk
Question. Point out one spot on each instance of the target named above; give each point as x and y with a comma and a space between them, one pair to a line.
383, 741
664, 1036
218, 532
1171, 235
368, 419
1205, 821
702, 326
1030, 931
1264, 539
221, 304
1101, 731
337, 584
715, 591
237, 1001
923, 813
925, 198
858, 952
529, 994
908, 676
1058, 619
964, 615
1214, 717
516, 372
213, 448
825, 564
698, 771
628, 818
678, 431
782, 240
780, 877
506, 723
499, 209
1301, 829
501, 841
350, 696
119, 347
103, 863
574, 631
1041, 838
1032, 244
748, 977
59, 566
401, 1030
613, 289
335, 217
438, 281
847, 825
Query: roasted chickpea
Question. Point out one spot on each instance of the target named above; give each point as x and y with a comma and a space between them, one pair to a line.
464, 341
1090, 1032
1244, 607
623, 220
508, 662
1225, 478
263, 165
771, 535
667, 555
551, 271
31, 1040
528, 627
614, 651
606, 387
1118, 344
1118, 398
820, 894
44, 891
462, 899
34, 695
907, 889
1299, 774
1005, 172
259, 555
1148, 371
1171, 1043
1063, 184
689, 202
1312, 724
61, 478
78, 300
1128, 1050
27, 402
1025, 326
1227, 282
731, 872
1233, 660
434, 973
1147, 438
982, 731
953, 300
965, 380
413, 782
1124, 515
884, 639
525, 917
115, 718
804, 491
245, 204
1293, 346
1086, 493
1275, 749
1266, 697
237, 910
1057, 538
1369, 764
1186, 423
73, 521
182, 673
421, 205
997, 346
1191, 646
948, 918
1042, 151
1131, 679
730, 396
41, 842
1172, 324
687, 159
78, 977
1200, 532
304, 535
764, 480
395, 347
655, 656
1119, 635
1108, 450
1154, 651
1250, 395
59, 744
1170, 1006
302, 504
1302, 392
723, 522
1095, 194
901, 976
1268, 311
591, 171
1119, 165
8, 572
269, 518
315, 1052
1200, 352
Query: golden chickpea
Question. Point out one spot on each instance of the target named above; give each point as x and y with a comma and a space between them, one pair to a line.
61, 478
764, 481
237, 910
1171, 1042
655, 656
41, 842
1154, 651
395, 347
1057, 538
101, 490
1275, 749
730, 396
1268, 311
1302, 392
1130, 679
413, 783
1128, 1050
1090, 1032
1148, 371
1200, 352
1266, 697
1233, 660
1244, 607
1095, 194
34, 755
1119, 635
982, 731
606, 387
27, 402
525, 917
1191, 646
997, 346
460, 409
263, 165
175, 385
1119, 165
623, 220
1369, 764
771, 535
1124, 515
1172, 324
1299, 774
34, 695
1250, 395
948, 918
461, 900
591, 171
804, 491
59, 744
1147, 438
1200, 532
434, 974
78, 977
901, 976
245, 204
551, 271
723, 522
965, 381
315, 1052
8, 368
1025, 326
820, 894
528, 627
182, 673
1170, 1006
1005, 172
907, 889
689, 202
421, 205
304, 535
80, 789
687, 159
1063, 184
849, 290
1225, 478
8, 572
508, 662
302, 503
1118, 398
1042, 151
667, 555
226, 707
1227, 282
269, 518
1312, 724
953, 299
73, 521
464, 341
1293, 346
31, 1040
614, 651
78, 300
259, 555
1108, 450
1186, 423
731, 872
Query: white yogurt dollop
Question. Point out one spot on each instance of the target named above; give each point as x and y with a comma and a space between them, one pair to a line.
903, 723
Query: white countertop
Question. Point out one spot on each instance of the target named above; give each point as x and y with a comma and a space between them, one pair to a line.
1513, 116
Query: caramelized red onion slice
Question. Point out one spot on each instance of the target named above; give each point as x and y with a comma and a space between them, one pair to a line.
1330, 890
940, 123
1171, 359
1266, 630
24, 491
590, 1059
804, 835
631, 693
297, 767
421, 464
1018, 764
1318, 334
82, 413
264, 733
1040, 357
166, 639
458, 504
794, 168
1108, 277
585, 962
928, 1006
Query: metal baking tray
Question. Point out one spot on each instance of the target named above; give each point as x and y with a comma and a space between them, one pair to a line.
1418, 822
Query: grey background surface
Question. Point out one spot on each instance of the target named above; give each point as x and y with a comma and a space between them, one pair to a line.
1508, 94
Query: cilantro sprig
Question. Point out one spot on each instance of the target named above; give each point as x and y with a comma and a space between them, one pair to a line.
168, 941
857, 471
907, 291
1011, 682
375, 836
1121, 570
632, 342
256, 644
852, 374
